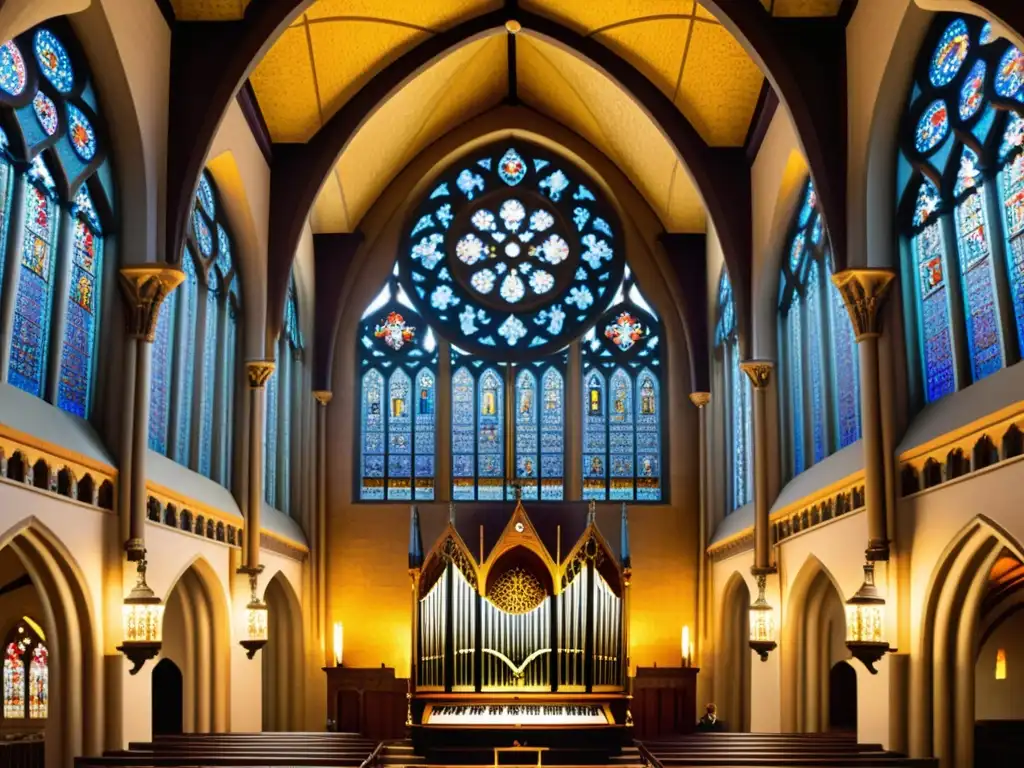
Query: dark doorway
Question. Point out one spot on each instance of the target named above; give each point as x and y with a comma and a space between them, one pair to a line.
842, 698
167, 698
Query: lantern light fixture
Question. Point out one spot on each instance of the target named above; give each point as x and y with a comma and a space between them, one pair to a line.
865, 621
256, 629
141, 622
762, 622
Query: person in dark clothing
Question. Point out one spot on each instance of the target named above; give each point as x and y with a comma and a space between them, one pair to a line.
710, 721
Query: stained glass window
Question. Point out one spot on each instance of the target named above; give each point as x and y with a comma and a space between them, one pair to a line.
795, 385
12, 69
931, 287
162, 367
490, 450
270, 438
398, 401
53, 59
14, 682
79, 351
26, 673
815, 364
845, 368
211, 356
737, 413
188, 295
1013, 208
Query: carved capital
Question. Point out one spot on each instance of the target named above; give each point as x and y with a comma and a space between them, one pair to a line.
758, 371
322, 396
700, 399
145, 287
258, 371
864, 292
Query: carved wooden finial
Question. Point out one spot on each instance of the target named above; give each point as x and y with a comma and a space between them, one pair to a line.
759, 372
864, 292
258, 371
700, 399
145, 287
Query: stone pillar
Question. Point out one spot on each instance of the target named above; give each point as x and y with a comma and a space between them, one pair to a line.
319, 548
257, 372
760, 373
701, 399
145, 287
864, 292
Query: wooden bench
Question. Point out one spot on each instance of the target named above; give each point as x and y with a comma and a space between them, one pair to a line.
539, 750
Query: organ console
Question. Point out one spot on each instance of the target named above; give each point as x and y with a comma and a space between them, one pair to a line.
519, 642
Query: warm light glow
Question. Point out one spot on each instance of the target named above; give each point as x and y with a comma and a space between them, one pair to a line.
256, 621
1000, 664
142, 622
762, 623
685, 648
338, 646
864, 622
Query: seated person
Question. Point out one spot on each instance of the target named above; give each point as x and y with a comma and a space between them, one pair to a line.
710, 721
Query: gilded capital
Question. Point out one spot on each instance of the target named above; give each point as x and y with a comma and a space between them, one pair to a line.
700, 399
864, 292
759, 372
258, 372
145, 287
322, 396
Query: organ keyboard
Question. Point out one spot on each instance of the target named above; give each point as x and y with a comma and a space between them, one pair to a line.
517, 715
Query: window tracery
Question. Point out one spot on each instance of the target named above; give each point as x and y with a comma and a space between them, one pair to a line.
736, 409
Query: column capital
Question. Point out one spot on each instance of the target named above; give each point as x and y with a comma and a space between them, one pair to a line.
700, 399
758, 371
258, 371
145, 286
864, 293
322, 396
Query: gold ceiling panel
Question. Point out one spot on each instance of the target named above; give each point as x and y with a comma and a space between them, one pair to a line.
619, 128
471, 80
656, 48
589, 16
719, 86
806, 7
431, 15
209, 10
285, 88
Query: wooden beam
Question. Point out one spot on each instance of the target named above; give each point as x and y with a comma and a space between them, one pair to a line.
764, 111
687, 253
332, 258
253, 115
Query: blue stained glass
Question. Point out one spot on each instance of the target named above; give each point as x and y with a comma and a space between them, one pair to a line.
228, 395
426, 393
400, 445
81, 134
555, 184
796, 251
40, 174
490, 437
595, 444
463, 436
986, 36
30, 342
937, 352
810, 201
795, 385
816, 231
1010, 73
189, 293
7, 176
648, 437
972, 92
815, 338
846, 370
160, 377
1013, 137
932, 127
983, 335
270, 440
79, 350
12, 69
949, 54
511, 167
204, 194
223, 251
209, 381
969, 176
927, 202
1012, 178
740, 418
621, 432
372, 447
552, 436
46, 113
204, 238
84, 208
527, 435
54, 62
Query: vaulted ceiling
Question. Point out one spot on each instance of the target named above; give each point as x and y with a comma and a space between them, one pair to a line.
337, 46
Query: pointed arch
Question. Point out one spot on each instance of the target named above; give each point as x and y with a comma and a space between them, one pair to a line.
283, 658
732, 691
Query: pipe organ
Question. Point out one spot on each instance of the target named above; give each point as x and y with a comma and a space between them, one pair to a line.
520, 637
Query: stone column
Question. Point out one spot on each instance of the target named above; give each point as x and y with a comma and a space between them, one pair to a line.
760, 374
145, 287
257, 372
319, 548
701, 399
864, 292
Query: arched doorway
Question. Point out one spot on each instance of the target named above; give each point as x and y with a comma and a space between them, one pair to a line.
283, 681
842, 699
732, 688
167, 698
197, 640
814, 637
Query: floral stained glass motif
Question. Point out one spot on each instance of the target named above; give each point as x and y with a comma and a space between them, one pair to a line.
160, 386
949, 54
30, 343
83, 207
986, 35
625, 331
983, 336
932, 127
1010, 73
1012, 178
463, 436
54, 62
12, 69
79, 349
38, 683
394, 331
937, 348
927, 202
81, 134
14, 682
46, 113
972, 92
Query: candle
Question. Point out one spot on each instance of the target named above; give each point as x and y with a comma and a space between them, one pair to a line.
338, 635
686, 646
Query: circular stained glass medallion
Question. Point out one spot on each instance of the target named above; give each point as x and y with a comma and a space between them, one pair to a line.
1010, 73
986, 35
512, 251
972, 92
54, 60
949, 53
46, 112
81, 134
932, 127
12, 69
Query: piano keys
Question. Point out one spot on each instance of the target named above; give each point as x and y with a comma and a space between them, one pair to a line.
517, 715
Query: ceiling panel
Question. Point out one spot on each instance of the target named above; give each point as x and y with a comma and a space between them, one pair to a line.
423, 14
209, 10
286, 89
656, 48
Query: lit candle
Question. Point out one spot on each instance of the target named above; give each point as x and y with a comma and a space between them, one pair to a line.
686, 646
338, 635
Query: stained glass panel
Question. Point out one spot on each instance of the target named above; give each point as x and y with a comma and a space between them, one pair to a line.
463, 436
209, 382
739, 418
595, 444
620, 436
79, 349
46, 113
527, 435
1012, 177
230, 385
983, 336
972, 92
932, 127
373, 436
1010, 73
795, 384
38, 683
816, 368
14, 682
189, 292
399, 437
927, 202
491, 437
940, 379
949, 54
204, 193
426, 408
270, 441
54, 62
648, 437
846, 370
160, 382
81, 134
552, 436
30, 344
12, 69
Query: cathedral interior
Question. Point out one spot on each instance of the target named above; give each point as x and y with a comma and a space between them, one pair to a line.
393, 382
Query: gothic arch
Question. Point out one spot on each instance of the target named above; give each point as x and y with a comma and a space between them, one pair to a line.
733, 655
283, 658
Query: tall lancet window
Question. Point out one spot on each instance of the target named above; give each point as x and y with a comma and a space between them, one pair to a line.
282, 401
622, 403
398, 400
819, 379
737, 402
26, 672
960, 208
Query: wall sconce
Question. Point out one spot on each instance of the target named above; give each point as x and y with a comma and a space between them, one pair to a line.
865, 615
762, 622
338, 646
256, 615
685, 648
142, 618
